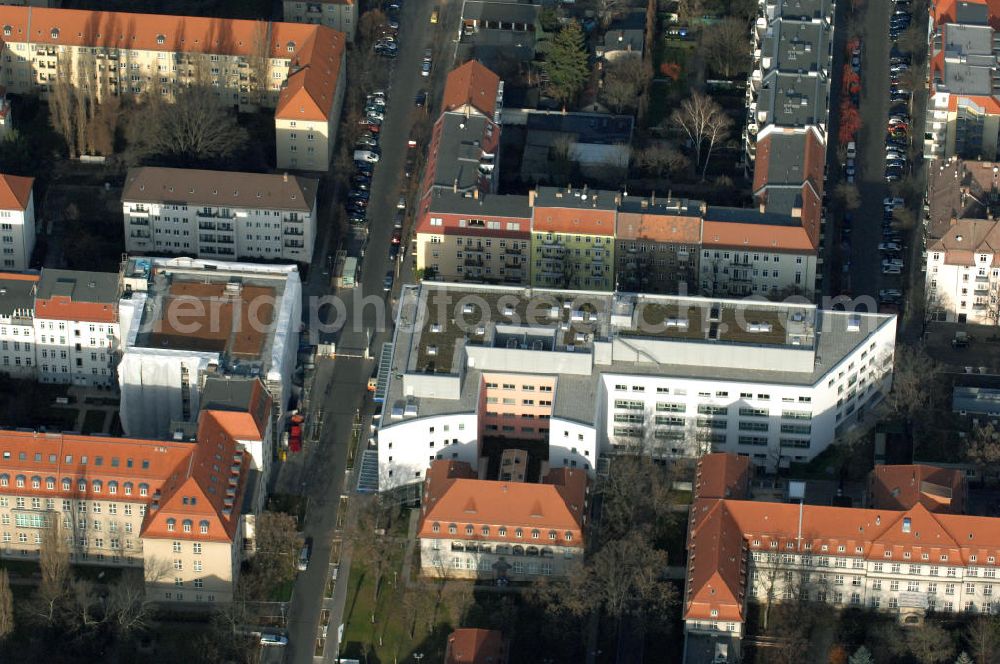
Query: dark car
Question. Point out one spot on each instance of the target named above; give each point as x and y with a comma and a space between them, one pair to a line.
359, 194
364, 168
357, 219
393, 252
387, 281
420, 99
397, 222
397, 236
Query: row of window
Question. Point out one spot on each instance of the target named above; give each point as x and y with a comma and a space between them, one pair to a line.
95, 486
501, 531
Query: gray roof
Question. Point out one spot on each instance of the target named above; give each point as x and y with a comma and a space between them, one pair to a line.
972, 13
459, 151
594, 199
665, 206
969, 61
750, 216
446, 201
507, 12
228, 393
806, 9
190, 186
16, 295
976, 400
79, 286
810, 344
794, 100
786, 159
593, 128
796, 46
782, 200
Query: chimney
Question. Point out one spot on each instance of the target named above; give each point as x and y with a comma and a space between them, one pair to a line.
703, 208
531, 198
285, 177
952, 221
652, 197
475, 193
761, 206
644, 204
454, 186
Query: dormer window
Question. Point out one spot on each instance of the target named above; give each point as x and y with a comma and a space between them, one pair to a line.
160, 39
469, 530
7, 31
54, 33
291, 47
552, 535
485, 530
203, 527
171, 525
186, 525
436, 527
519, 533
452, 529
569, 536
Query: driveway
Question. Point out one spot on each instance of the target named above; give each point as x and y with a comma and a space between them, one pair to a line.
340, 384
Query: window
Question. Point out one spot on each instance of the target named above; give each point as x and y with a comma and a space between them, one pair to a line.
171, 525
197, 548
177, 547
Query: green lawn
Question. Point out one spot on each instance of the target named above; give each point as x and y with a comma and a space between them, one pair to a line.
389, 636
282, 592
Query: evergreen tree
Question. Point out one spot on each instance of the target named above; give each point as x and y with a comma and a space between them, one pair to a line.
861, 656
566, 63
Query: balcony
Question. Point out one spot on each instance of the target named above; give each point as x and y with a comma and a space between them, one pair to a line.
142, 221
206, 226
206, 213
293, 231
512, 251
982, 279
473, 262
294, 244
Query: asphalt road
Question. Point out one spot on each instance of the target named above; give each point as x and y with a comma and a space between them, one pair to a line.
866, 272
340, 384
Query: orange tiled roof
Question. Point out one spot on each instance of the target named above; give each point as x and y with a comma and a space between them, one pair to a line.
17, 276
452, 495
316, 49
721, 475
659, 228
176, 477
755, 236
940, 490
718, 528
574, 220
474, 85
15, 192
990, 105
62, 308
475, 646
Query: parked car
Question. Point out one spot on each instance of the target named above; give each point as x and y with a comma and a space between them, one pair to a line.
889, 246
401, 203
357, 219
852, 150
273, 640
397, 236
425, 69
370, 156
894, 202
304, 555
420, 99
387, 281
397, 221
393, 252
367, 142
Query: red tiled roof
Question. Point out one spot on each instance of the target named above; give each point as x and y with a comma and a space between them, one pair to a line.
940, 490
721, 532
15, 192
659, 228
756, 236
61, 307
452, 495
475, 646
175, 476
722, 476
474, 85
574, 220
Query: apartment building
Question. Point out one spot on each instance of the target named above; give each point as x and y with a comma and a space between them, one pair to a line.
573, 238
472, 528
340, 15
219, 214
593, 372
963, 273
657, 245
463, 152
77, 331
484, 238
789, 85
17, 329
187, 320
297, 69
174, 508
905, 561
963, 111
17, 218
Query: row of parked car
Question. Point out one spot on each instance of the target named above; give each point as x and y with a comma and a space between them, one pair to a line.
387, 43
891, 246
897, 139
366, 155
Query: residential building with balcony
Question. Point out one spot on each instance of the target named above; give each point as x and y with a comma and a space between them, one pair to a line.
906, 560
963, 111
475, 528
77, 328
185, 321
959, 189
963, 273
17, 328
297, 69
17, 218
219, 214
573, 238
340, 15
593, 373
789, 85
657, 244
483, 238
175, 509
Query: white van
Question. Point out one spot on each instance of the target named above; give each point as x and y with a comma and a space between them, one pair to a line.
366, 155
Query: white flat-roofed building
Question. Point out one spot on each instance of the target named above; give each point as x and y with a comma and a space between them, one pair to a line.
17, 217
219, 214
592, 373
17, 329
184, 320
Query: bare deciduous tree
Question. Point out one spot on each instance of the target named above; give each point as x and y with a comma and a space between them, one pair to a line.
931, 644
983, 638
54, 563
623, 83
983, 449
6, 606
847, 195
257, 64
661, 158
727, 47
915, 388
704, 122
369, 26
689, 10
372, 544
